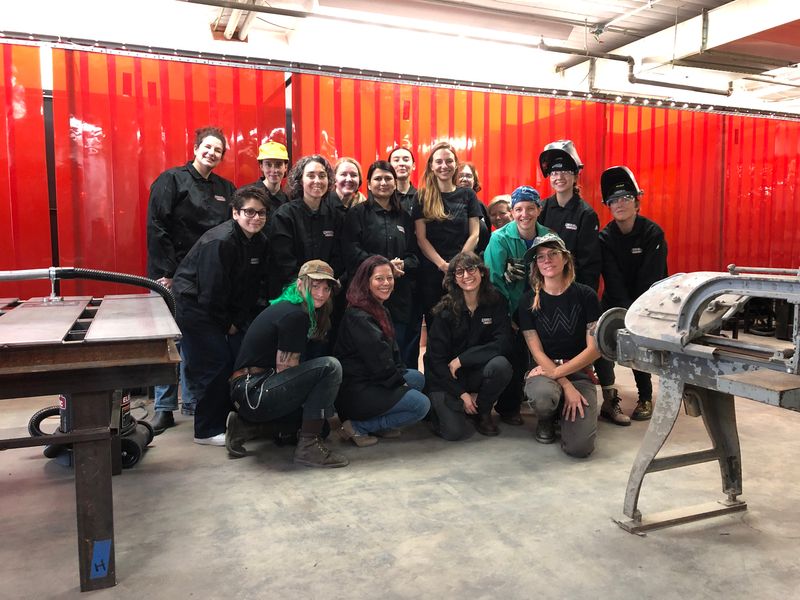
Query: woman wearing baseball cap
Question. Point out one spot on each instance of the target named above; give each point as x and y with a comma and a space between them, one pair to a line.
558, 316
273, 161
272, 384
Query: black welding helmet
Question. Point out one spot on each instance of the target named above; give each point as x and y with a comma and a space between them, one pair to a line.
617, 182
560, 156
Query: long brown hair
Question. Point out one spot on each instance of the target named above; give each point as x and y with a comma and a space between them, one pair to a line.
430, 197
453, 300
537, 281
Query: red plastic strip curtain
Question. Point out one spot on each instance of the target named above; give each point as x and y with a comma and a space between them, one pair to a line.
120, 121
24, 205
710, 181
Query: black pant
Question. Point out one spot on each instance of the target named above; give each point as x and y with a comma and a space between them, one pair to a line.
605, 373
511, 398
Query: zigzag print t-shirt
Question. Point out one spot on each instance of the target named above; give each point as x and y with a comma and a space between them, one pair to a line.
561, 320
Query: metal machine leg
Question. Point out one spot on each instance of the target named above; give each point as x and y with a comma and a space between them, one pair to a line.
719, 416
665, 412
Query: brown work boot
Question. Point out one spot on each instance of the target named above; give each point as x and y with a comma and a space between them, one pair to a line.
237, 432
312, 452
485, 425
611, 410
643, 410
347, 432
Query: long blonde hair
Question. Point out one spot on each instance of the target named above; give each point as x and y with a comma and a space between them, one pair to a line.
537, 281
430, 197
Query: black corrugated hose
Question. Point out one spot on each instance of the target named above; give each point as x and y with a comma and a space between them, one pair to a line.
97, 275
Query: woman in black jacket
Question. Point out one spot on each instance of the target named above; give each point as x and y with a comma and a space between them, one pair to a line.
381, 226
378, 394
465, 361
216, 288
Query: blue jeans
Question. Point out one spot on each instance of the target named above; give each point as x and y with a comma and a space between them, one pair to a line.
167, 395
412, 407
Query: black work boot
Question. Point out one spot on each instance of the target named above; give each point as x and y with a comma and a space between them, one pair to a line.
485, 425
311, 452
610, 410
545, 430
162, 421
237, 432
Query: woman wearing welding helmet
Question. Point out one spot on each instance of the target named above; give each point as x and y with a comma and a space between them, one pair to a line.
273, 162
634, 257
566, 213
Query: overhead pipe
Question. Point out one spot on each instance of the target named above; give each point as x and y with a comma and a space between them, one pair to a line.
632, 78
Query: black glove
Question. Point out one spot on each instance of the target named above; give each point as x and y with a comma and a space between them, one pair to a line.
515, 270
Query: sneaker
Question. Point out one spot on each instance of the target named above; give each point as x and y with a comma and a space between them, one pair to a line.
216, 440
347, 432
545, 431
235, 436
611, 410
643, 410
162, 421
311, 452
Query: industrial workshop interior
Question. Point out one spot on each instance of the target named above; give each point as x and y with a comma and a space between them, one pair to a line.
400, 299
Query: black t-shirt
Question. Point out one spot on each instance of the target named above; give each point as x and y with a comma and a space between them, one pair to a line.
281, 326
561, 320
448, 236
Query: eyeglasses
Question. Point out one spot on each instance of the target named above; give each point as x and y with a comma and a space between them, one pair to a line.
461, 271
623, 199
547, 256
560, 173
252, 213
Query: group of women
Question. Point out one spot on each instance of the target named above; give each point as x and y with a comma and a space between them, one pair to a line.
270, 346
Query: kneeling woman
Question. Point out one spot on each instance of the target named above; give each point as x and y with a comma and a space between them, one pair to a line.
270, 381
465, 361
378, 395
558, 317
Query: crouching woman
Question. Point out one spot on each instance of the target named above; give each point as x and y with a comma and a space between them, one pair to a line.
270, 380
466, 359
557, 318
378, 395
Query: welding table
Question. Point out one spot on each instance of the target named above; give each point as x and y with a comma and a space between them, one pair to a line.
86, 348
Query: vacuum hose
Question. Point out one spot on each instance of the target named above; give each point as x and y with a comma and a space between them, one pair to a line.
54, 273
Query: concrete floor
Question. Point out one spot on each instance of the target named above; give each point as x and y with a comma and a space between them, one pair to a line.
417, 517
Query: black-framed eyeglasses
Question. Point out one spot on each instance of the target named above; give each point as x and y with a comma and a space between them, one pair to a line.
252, 213
461, 271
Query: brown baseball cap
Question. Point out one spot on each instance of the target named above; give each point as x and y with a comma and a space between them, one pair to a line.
319, 269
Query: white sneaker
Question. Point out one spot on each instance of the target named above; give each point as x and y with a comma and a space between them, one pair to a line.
217, 440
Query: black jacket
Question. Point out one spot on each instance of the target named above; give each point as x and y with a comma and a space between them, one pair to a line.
631, 262
218, 281
475, 340
372, 370
408, 199
370, 230
183, 205
577, 224
296, 235
276, 200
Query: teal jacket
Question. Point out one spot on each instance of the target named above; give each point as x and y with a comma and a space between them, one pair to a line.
505, 243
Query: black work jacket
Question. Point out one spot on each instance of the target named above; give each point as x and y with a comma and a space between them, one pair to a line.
296, 235
577, 224
370, 230
183, 205
275, 200
475, 340
372, 370
631, 262
408, 199
219, 279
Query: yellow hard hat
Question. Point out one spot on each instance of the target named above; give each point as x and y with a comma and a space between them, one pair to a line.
272, 150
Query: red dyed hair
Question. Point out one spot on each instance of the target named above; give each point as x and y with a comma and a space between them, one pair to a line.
359, 296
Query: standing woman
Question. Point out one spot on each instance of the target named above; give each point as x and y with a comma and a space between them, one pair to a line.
446, 223
273, 162
378, 394
216, 289
185, 202
567, 214
307, 228
468, 177
402, 159
347, 181
381, 226
558, 316
466, 362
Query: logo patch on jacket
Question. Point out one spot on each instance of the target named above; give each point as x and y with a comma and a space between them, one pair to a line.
401, 229
486, 321
636, 250
220, 198
255, 260
327, 232
571, 226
